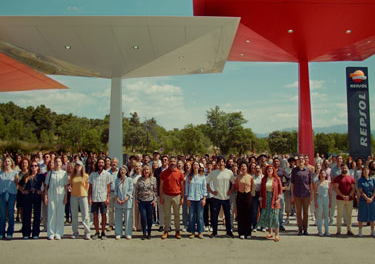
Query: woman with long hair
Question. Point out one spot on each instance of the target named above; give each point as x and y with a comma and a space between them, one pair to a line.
31, 187
244, 187
8, 195
25, 167
322, 198
55, 192
270, 190
146, 191
366, 205
79, 197
137, 173
124, 188
196, 193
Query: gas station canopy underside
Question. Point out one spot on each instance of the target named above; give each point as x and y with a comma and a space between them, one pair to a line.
110, 47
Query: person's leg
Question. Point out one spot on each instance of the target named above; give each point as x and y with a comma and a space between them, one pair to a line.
74, 209
185, 214
240, 215
45, 215
340, 208
200, 224
176, 212
319, 214
287, 205
211, 214
60, 215
226, 208
84, 205
103, 211
192, 216
11, 204
149, 213
232, 201
326, 216
67, 208
205, 213
96, 221
26, 219
161, 213
216, 208
254, 211
281, 211
298, 204
118, 221
305, 208
51, 219
36, 203
248, 216
167, 212
348, 210
333, 206
142, 211
128, 222
2, 215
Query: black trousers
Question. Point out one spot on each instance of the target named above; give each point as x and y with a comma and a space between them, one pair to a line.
244, 203
31, 206
208, 212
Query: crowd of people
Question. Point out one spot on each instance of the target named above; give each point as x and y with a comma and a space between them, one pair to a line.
257, 193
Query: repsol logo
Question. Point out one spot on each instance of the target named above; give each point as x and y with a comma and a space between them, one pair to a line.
363, 140
358, 86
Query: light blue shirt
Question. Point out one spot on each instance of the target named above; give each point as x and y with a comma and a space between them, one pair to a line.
196, 189
7, 184
114, 178
122, 190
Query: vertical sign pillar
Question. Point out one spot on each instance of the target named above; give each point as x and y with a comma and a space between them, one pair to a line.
305, 133
359, 131
115, 121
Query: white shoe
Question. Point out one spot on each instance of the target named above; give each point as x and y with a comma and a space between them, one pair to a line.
50, 238
128, 237
206, 228
242, 237
254, 231
74, 236
88, 237
57, 237
360, 232
372, 233
183, 229
118, 237
211, 230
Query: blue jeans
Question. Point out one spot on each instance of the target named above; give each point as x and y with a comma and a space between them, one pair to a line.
7, 206
226, 207
323, 209
196, 217
185, 214
281, 211
146, 210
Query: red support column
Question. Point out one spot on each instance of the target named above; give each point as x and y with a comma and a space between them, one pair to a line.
305, 133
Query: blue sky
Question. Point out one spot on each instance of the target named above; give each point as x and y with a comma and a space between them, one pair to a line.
266, 93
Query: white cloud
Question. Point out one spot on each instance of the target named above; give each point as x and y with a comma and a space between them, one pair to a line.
314, 84
319, 96
73, 8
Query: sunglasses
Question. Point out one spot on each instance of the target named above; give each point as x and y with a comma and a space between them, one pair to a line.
34, 166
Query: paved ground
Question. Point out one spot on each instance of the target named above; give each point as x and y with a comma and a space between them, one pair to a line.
291, 249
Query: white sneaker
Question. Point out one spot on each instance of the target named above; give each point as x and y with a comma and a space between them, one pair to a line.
211, 230
254, 231
88, 237
50, 238
74, 236
183, 229
372, 233
128, 237
57, 237
118, 237
206, 228
360, 232
242, 237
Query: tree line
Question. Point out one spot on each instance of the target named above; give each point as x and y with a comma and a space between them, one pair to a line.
34, 128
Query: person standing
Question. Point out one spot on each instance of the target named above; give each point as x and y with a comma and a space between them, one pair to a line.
8, 193
221, 178
195, 194
322, 198
31, 188
113, 171
257, 177
244, 187
366, 205
270, 191
79, 185
285, 181
145, 193
25, 168
172, 194
99, 192
124, 188
344, 185
160, 207
301, 190
335, 171
55, 197
208, 212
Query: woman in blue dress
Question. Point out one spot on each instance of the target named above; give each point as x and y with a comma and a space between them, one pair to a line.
366, 206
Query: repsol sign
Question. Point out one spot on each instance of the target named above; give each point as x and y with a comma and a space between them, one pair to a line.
358, 112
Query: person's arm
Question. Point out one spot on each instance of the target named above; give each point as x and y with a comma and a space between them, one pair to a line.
66, 194
182, 182
16, 179
330, 194
292, 193
315, 194
352, 191
90, 194
108, 193
339, 193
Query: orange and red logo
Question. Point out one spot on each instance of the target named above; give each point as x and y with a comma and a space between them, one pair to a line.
358, 76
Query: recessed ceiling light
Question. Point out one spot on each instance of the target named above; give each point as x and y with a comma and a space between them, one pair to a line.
290, 31
68, 47
180, 57
348, 31
135, 47
248, 41
242, 54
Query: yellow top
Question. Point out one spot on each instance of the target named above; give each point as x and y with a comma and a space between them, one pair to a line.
269, 184
79, 185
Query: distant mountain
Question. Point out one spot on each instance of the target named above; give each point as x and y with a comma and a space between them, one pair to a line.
329, 129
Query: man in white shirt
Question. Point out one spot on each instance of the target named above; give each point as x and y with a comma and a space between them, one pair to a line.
113, 171
221, 179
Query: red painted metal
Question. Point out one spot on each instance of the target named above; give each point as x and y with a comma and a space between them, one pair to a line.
15, 76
